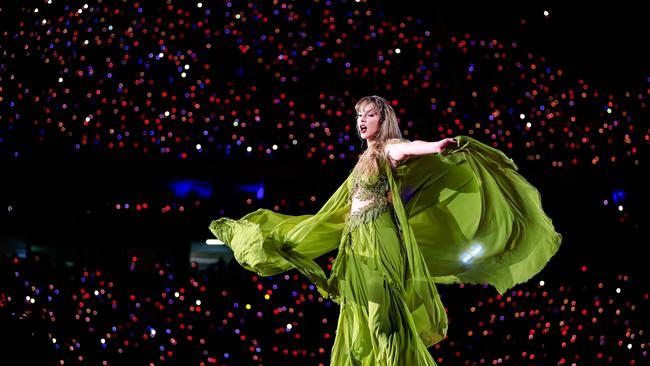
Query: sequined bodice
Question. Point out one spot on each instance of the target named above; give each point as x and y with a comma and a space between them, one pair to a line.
369, 198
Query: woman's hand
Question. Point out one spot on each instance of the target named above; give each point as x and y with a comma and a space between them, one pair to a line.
444, 143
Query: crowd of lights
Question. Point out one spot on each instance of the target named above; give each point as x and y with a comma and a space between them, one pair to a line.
280, 78
249, 78
227, 316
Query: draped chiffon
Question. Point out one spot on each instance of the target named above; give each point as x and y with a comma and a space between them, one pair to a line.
465, 215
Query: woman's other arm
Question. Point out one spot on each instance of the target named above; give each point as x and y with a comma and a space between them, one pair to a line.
403, 150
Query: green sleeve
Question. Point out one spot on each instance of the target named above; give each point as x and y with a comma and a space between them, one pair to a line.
269, 243
474, 217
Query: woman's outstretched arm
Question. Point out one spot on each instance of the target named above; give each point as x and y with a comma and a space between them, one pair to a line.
403, 150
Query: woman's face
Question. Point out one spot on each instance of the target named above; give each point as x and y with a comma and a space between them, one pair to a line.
368, 123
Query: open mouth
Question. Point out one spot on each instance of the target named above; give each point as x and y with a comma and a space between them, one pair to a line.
363, 128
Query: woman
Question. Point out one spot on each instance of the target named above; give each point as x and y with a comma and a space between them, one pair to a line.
409, 215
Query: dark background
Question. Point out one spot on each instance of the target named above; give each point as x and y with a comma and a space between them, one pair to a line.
60, 198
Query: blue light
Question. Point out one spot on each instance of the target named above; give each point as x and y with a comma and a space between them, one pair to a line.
182, 188
257, 188
473, 252
618, 196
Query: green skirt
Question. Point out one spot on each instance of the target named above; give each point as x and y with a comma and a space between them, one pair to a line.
370, 274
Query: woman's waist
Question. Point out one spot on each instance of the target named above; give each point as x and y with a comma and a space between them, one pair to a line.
366, 211
359, 206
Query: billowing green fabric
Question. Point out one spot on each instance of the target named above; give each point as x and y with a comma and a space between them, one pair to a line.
464, 215
474, 218
269, 243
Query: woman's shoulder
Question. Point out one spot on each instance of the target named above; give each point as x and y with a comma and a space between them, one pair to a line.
396, 141
390, 153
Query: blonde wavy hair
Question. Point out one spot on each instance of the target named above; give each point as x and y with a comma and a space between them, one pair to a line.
367, 166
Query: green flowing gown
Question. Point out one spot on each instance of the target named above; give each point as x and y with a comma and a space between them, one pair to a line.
464, 215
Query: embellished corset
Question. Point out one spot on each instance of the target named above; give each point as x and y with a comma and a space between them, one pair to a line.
368, 198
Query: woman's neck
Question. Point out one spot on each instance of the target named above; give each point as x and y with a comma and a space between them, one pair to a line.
373, 144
